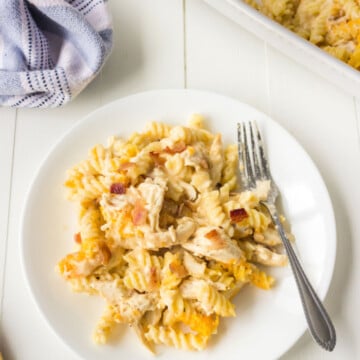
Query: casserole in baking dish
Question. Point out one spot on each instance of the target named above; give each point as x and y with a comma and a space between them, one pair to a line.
291, 44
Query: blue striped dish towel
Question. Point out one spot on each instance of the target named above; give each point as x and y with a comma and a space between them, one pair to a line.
51, 49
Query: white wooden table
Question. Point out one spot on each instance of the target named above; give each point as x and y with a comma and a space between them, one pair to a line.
177, 44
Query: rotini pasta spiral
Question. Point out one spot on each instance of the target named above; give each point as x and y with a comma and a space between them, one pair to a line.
173, 337
230, 167
210, 207
209, 299
157, 130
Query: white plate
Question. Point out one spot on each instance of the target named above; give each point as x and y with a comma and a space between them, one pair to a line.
268, 323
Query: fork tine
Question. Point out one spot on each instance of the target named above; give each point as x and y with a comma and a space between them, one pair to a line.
254, 150
246, 169
248, 151
252, 159
259, 153
242, 158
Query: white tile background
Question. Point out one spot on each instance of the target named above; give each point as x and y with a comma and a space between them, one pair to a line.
176, 44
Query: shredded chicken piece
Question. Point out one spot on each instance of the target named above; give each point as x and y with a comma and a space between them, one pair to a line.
131, 305
153, 191
263, 255
214, 243
193, 266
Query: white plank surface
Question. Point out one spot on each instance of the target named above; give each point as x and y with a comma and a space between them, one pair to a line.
223, 57
7, 132
148, 48
218, 56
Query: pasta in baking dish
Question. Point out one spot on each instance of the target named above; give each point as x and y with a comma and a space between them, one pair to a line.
165, 236
333, 25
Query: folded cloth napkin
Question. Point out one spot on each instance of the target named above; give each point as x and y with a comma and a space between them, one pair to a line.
50, 49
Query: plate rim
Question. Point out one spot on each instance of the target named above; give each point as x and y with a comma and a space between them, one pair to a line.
267, 118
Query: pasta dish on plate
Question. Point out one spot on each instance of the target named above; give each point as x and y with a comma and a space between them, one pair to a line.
333, 25
166, 236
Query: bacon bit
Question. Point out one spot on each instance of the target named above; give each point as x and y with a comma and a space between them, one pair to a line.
217, 242
177, 148
153, 278
104, 254
117, 188
139, 213
77, 238
238, 215
159, 161
178, 269
126, 166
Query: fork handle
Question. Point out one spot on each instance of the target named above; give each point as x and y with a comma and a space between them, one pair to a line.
320, 325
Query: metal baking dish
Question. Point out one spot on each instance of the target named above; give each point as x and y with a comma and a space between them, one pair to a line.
291, 44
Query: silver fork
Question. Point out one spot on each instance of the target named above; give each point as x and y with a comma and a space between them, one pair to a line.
253, 168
